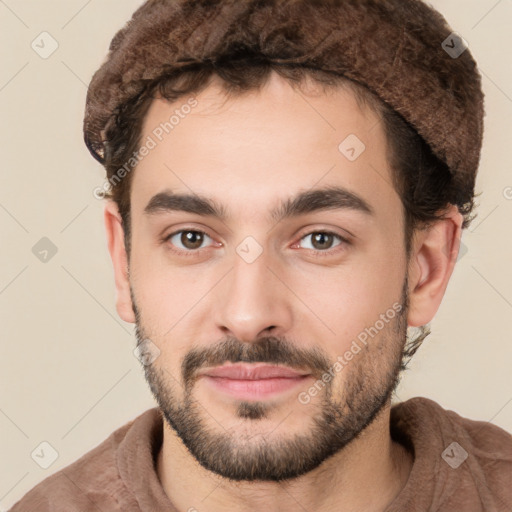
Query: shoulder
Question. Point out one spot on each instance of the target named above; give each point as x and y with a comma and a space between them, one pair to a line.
467, 458
91, 483
422, 415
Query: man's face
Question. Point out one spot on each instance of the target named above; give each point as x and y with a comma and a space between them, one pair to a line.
322, 291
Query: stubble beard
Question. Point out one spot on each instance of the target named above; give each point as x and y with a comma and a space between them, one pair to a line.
335, 420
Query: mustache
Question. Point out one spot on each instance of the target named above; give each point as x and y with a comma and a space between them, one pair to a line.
271, 350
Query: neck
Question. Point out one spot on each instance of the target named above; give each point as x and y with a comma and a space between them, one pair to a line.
367, 475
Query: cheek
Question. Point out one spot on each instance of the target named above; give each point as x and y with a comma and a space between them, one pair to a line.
343, 301
344, 304
332, 303
164, 294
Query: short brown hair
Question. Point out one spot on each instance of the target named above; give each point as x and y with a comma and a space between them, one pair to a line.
389, 52
423, 182
402, 51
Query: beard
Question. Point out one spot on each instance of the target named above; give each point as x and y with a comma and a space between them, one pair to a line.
337, 419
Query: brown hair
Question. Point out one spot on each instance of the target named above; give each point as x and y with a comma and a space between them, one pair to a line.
403, 51
423, 182
390, 53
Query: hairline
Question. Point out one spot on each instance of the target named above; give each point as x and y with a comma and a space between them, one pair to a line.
365, 99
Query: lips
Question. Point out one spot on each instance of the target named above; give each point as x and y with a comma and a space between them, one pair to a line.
260, 371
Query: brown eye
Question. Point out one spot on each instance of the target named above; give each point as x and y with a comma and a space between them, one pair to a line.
322, 240
187, 239
191, 239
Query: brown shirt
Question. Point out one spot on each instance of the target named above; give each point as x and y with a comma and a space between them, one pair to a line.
460, 465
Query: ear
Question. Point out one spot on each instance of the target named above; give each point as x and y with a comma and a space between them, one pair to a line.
433, 256
115, 239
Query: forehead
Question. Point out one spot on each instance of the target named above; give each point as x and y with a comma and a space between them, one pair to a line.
252, 150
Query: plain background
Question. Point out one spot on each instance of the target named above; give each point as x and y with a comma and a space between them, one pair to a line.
68, 373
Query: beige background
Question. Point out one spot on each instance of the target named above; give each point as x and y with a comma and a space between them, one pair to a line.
68, 373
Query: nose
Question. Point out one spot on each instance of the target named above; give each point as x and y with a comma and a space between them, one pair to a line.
253, 302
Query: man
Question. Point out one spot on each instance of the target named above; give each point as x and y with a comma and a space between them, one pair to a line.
287, 185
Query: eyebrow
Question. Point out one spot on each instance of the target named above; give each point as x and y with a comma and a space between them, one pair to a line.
329, 198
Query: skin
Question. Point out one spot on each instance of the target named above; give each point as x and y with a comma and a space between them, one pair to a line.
249, 153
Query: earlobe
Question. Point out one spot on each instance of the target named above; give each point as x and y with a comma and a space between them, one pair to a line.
115, 241
433, 259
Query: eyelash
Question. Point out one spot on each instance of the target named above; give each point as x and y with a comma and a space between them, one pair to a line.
316, 252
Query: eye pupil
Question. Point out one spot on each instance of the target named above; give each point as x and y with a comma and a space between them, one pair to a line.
192, 239
321, 239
